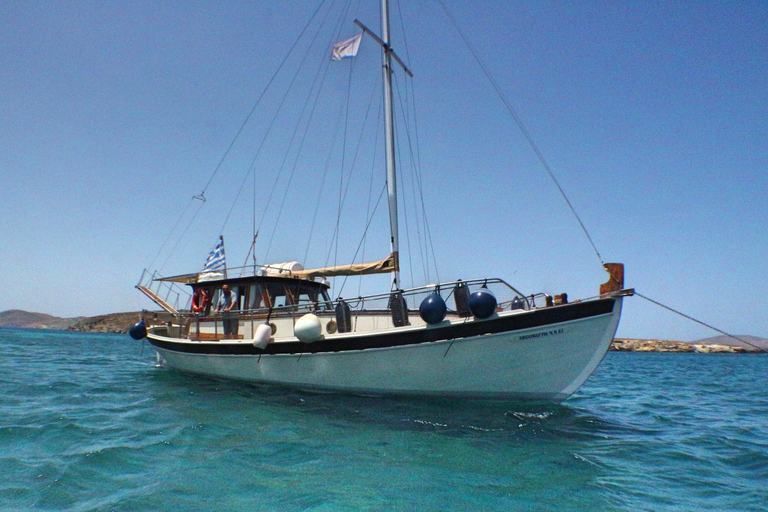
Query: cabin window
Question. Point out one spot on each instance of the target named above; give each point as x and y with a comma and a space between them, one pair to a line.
255, 297
307, 297
277, 295
287, 294
326, 301
312, 296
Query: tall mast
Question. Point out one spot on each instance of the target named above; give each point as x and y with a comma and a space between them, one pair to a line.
387, 54
389, 126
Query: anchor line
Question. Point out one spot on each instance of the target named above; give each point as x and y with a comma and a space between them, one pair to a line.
697, 321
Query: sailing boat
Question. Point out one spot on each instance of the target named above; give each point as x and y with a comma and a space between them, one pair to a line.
479, 338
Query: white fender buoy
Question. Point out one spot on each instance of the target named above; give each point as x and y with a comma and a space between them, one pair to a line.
261, 336
308, 328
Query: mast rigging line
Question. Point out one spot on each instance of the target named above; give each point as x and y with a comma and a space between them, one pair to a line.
261, 96
417, 164
252, 167
277, 113
695, 320
344, 189
201, 196
189, 225
520, 125
175, 225
295, 132
429, 245
342, 192
368, 211
301, 145
278, 110
321, 188
334, 247
415, 169
405, 215
368, 225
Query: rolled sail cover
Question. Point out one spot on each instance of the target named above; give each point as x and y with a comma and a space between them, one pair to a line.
388, 264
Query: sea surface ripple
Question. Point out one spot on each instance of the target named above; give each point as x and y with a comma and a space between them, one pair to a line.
89, 423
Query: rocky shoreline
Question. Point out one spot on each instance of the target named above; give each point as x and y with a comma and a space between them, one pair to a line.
636, 345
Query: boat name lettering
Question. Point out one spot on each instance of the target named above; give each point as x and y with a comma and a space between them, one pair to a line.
541, 334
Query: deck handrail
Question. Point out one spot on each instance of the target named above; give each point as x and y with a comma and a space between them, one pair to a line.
357, 303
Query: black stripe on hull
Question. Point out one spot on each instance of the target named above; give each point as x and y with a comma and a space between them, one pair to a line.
395, 338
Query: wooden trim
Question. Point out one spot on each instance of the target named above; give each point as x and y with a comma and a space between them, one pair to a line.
210, 336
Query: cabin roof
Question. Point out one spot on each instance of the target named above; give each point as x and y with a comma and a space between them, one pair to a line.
192, 280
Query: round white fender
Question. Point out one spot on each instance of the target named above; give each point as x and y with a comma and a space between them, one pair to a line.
261, 336
308, 328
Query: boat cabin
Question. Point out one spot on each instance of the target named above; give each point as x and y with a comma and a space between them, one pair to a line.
263, 293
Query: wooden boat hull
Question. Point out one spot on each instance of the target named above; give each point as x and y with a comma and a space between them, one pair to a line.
544, 354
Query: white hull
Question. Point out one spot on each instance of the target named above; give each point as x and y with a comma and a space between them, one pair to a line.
547, 362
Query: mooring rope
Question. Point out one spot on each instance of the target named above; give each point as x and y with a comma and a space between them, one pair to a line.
695, 320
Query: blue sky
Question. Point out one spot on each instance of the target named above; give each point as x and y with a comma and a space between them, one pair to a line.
653, 115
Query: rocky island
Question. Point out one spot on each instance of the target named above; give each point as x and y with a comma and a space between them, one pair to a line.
636, 345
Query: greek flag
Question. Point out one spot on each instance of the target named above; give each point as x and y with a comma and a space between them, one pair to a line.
216, 258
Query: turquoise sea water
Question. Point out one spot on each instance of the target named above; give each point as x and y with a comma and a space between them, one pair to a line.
88, 423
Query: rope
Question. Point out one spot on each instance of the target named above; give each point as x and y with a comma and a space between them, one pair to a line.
201, 196
344, 139
421, 220
261, 96
371, 181
370, 219
278, 111
520, 125
318, 73
344, 189
183, 233
302, 140
697, 321
167, 238
415, 158
321, 188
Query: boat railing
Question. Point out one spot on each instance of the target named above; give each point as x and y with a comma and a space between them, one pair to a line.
505, 293
378, 305
164, 293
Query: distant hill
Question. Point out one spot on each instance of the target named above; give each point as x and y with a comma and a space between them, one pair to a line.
18, 318
115, 322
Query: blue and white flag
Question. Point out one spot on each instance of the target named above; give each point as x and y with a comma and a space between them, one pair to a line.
216, 260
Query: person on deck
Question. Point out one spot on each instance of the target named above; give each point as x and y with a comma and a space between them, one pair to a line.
200, 300
227, 301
